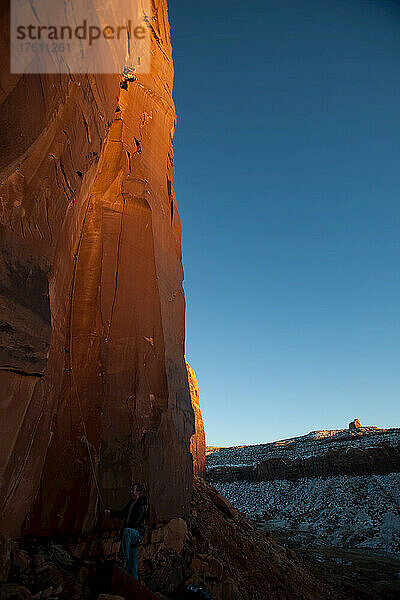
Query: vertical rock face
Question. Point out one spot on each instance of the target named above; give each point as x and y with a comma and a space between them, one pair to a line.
198, 439
93, 385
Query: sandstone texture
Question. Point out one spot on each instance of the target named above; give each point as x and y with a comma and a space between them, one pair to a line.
93, 384
198, 439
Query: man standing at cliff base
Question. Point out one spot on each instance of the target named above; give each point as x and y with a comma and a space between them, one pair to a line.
134, 514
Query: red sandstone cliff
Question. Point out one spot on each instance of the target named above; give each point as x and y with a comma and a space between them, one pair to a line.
198, 439
91, 299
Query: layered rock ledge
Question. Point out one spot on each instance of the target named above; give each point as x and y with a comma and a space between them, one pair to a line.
364, 451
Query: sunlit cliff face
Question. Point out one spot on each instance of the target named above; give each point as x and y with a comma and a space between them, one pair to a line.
92, 373
197, 441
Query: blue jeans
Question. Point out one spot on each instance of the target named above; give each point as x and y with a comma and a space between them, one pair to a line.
128, 550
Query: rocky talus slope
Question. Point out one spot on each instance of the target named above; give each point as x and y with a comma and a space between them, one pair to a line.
214, 547
218, 548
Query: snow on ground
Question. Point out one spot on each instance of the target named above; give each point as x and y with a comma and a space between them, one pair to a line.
351, 512
315, 442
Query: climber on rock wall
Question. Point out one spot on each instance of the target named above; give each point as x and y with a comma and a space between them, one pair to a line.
134, 528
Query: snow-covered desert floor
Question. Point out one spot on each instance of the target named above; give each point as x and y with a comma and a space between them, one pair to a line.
349, 512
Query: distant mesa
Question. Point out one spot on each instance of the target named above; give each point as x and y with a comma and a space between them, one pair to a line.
356, 451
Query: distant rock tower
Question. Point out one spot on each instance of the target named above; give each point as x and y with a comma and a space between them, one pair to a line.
355, 424
198, 440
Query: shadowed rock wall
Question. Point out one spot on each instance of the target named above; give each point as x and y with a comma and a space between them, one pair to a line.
92, 373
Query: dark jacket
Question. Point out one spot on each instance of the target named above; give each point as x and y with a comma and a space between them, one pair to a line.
133, 518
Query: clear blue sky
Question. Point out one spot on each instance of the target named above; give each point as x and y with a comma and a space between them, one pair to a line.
287, 154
